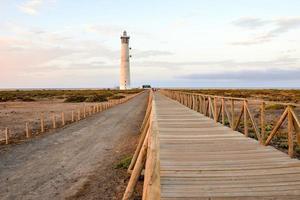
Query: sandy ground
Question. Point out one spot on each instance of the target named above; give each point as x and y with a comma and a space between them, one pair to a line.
72, 160
14, 115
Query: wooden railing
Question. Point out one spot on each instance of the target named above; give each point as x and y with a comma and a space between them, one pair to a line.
146, 156
216, 107
58, 120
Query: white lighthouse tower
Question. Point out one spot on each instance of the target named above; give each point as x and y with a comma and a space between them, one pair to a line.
125, 67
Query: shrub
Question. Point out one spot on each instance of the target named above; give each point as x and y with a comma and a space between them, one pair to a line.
124, 163
97, 98
27, 99
117, 97
75, 99
275, 107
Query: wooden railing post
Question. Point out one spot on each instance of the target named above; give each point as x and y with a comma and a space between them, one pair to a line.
211, 108
245, 119
215, 110
206, 106
262, 122
296, 124
193, 101
136, 172
232, 115
290, 133
203, 105
223, 111
200, 103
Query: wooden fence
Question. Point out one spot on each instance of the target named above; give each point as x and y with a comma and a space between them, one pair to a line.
146, 156
216, 107
59, 120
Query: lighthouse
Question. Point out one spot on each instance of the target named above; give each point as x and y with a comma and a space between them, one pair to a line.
125, 66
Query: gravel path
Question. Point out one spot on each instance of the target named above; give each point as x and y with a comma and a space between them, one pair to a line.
56, 165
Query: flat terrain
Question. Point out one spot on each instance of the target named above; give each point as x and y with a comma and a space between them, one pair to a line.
18, 107
14, 115
59, 165
283, 95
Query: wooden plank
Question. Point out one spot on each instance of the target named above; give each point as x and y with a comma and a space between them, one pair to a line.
203, 159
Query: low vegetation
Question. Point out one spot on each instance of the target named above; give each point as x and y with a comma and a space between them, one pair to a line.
67, 95
275, 107
290, 95
117, 97
124, 163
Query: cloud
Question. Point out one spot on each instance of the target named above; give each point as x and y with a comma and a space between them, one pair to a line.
259, 39
114, 30
111, 30
272, 75
250, 22
287, 62
286, 24
31, 7
150, 53
40, 50
280, 26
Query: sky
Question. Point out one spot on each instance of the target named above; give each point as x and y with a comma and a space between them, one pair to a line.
175, 43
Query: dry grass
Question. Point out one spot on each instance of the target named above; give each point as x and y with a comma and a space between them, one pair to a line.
67, 95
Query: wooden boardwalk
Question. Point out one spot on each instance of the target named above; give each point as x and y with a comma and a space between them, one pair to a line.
201, 159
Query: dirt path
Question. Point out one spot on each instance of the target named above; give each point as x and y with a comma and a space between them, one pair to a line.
59, 165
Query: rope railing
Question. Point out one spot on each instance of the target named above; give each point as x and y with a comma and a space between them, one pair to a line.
146, 156
216, 107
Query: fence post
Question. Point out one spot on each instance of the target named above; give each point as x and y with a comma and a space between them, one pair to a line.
63, 119
54, 120
27, 130
6, 135
42, 123
72, 115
